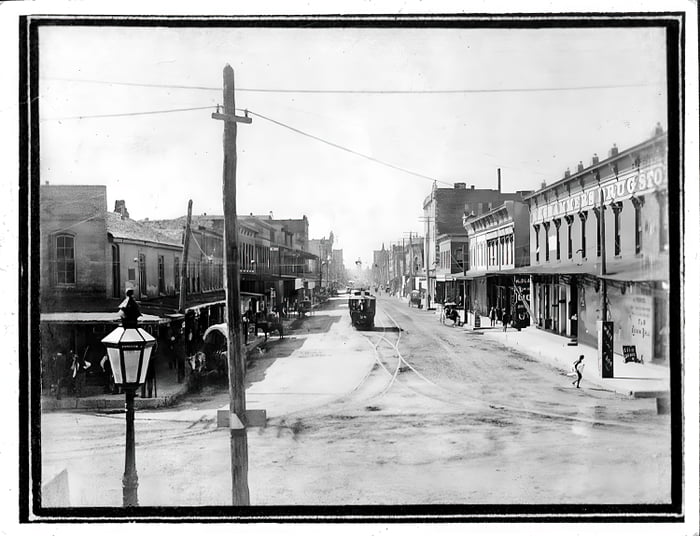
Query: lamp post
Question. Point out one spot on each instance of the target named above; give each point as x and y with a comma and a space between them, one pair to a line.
129, 349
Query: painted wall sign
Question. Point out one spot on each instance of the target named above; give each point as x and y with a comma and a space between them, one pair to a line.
641, 314
623, 187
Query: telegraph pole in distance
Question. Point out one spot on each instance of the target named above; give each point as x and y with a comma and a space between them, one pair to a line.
185, 252
236, 365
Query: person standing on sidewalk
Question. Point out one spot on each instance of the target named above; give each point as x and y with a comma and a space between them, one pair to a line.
492, 316
506, 319
578, 369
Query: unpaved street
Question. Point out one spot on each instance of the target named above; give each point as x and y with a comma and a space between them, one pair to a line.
412, 412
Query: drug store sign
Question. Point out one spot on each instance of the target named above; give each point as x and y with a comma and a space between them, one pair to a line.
634, 182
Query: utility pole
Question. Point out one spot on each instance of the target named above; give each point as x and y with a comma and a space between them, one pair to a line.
185, 252
236, 364
605, 328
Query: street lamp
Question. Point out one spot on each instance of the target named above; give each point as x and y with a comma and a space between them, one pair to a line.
129, 350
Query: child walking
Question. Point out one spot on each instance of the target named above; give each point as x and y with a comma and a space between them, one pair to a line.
578, 369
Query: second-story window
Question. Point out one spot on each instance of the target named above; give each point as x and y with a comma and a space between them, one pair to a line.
161, 274
569, 241
143, 284
598, 218
583, 216
662, 199
546, 240
65, 260
617, 209
537, 242
557, 224
176, 270
638, 203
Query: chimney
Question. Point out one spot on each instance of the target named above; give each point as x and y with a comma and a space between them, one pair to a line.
658, 130
543, 185
472, 186
580, 166
120, 208
567, 173
594, 160
499, 180
460, 185
270, 214
613, 150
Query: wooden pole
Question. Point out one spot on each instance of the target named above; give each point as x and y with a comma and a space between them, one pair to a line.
185, 252
236, 365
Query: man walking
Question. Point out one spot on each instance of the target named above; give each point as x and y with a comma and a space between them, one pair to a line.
578, 369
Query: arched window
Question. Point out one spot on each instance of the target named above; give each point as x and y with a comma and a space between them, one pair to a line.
64, 259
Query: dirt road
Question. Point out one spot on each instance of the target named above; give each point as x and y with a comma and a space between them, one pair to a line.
412, 412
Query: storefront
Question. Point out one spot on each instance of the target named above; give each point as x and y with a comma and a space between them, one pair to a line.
81, 334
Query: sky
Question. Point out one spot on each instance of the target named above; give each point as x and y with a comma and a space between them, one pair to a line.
156, 162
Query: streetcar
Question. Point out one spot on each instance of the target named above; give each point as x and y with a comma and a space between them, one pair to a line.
362, 306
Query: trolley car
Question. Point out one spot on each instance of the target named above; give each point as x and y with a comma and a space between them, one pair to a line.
362, 306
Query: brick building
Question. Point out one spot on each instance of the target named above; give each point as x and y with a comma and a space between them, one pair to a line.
576, 269
443, 210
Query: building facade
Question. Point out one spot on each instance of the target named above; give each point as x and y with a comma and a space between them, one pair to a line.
600, 243
443, 212
499, 244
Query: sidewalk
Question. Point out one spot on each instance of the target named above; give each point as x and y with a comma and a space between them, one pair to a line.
631, 379
167, 387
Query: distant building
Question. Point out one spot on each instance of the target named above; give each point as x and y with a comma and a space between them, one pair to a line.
499, 243
74, 271
322, 248
380, 267
443, 210
337, 269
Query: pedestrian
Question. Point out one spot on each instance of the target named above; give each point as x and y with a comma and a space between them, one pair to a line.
506, 319
578, 369
61, 373
78, 367
150, 384
110, 386
492, 316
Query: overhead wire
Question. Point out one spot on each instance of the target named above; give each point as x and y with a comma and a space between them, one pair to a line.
127, 114
342, 148
362, 91
279, 123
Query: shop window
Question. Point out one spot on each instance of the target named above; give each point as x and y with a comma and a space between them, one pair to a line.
64, 255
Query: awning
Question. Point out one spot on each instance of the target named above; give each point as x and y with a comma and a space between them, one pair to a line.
95, 318
222, 329
639, 271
